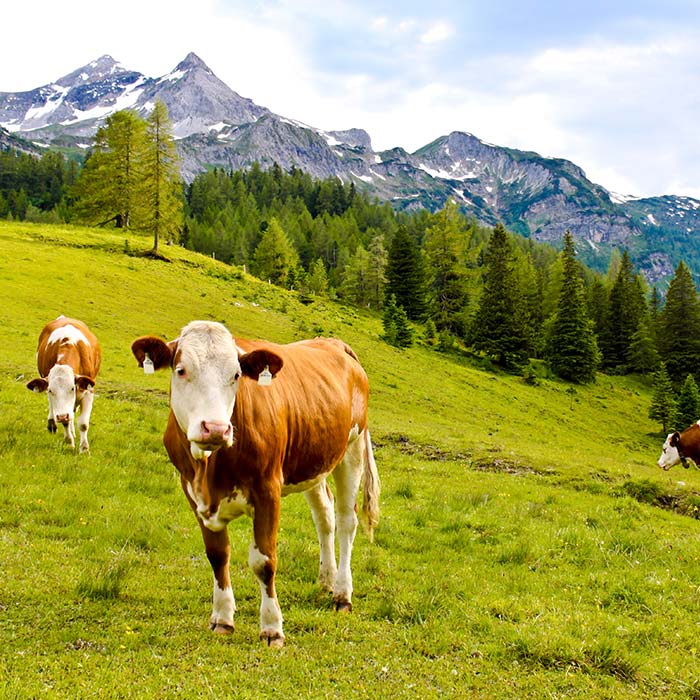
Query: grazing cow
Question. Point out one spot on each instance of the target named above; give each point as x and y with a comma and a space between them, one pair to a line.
680, 447
240, 447
68, 358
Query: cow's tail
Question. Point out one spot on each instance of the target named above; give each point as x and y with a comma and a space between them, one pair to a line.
370, 488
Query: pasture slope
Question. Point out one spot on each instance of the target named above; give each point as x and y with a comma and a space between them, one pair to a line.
529, 547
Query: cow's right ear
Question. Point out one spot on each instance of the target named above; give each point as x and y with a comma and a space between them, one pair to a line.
675, 439
38, 385
160, 352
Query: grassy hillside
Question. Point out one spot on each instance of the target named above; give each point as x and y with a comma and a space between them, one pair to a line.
529, 547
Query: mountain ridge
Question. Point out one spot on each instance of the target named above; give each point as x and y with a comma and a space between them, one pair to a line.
216, 127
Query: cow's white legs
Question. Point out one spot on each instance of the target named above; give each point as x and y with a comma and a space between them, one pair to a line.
223, 609
69, 431
84, 420
347, 476
320, 500
270, 613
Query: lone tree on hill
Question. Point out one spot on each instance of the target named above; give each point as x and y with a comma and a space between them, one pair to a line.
161, 177
571, 349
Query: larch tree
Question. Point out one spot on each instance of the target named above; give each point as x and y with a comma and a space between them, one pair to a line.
444, 244
572, 350
110, 186
275, 257
163, 214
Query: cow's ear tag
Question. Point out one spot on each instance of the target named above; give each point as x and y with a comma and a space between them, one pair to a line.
265, 377
148, 367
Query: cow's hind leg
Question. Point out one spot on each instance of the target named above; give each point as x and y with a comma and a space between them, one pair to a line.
320, 500
347, 476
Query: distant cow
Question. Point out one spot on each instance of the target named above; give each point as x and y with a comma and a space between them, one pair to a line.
680, 447
240, 447
68, 359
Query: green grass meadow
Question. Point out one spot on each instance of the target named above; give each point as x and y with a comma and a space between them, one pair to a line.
529, 546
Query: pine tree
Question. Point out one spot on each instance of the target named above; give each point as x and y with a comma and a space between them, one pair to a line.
679, 326
663, 404
498, 328
275, 257
376, 272
572, 350
688, 406
161, 178
643, 356
405, 274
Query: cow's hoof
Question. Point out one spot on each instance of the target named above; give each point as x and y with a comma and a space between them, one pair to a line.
343, 607
221, 628
84, 450
274, 639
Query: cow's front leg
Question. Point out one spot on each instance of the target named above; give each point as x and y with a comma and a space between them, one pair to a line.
262, 559
68, 430
224, 605
84, 420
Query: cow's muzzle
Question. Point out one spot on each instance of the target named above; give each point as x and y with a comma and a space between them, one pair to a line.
213, 435
63, 418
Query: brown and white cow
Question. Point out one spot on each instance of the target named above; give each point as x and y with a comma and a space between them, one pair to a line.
680, 447
68, 358
240, 446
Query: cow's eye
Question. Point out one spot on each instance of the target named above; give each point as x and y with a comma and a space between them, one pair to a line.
235, 377
180, 371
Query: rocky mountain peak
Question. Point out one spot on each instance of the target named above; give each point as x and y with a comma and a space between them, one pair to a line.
98, 70
192, 62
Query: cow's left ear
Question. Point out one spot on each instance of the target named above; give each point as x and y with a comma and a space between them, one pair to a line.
254, 362
675, 439
39, 385
160, 352
84, 383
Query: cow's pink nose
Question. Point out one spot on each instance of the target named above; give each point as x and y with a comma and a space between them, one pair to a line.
216, 432
63, 419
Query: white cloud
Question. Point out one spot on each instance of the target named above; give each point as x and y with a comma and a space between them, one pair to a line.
437, 33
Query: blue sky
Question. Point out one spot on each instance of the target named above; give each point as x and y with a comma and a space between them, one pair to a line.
612, 86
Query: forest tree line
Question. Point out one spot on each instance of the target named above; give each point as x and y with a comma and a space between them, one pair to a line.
435, 275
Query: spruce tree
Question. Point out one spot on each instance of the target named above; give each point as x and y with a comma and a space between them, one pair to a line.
663, 403
161, 178
405, 273
688, 406
571, 349
498, 328
679, 326
397, 329
626, 307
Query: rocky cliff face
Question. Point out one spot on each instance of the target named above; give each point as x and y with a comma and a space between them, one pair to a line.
535, 196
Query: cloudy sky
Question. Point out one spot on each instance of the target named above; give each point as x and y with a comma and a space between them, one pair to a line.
613, 85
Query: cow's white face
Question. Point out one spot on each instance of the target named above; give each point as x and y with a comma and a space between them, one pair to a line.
61, 391
205, 374
669, 454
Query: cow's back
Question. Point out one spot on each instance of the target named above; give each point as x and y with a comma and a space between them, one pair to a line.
69, 348
306, 415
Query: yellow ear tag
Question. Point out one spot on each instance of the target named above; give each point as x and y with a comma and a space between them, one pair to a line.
148, 367
265, 377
